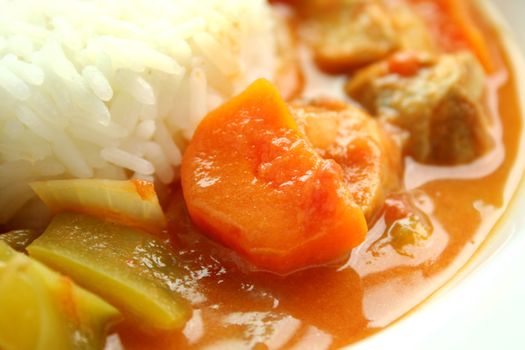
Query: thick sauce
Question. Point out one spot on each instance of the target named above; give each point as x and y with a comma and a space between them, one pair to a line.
334, 306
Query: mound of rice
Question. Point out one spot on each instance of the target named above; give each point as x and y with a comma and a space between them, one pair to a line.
110, 88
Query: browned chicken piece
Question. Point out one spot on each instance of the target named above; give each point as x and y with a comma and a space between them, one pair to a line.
347, 34
370, 160
437, 99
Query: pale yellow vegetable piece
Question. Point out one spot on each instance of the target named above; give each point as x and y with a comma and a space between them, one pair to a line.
41, 309
131, 202
130, 268
19, 239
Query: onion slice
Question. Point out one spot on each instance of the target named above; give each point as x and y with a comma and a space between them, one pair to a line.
131, 203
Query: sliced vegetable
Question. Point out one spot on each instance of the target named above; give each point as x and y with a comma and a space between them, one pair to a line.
455, 29
6, 252
368, 156
252, 181
19, 239
132, 202
460, 14
407, 226
128, 267
42, 310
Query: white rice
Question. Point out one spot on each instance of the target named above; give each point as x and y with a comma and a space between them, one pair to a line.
99, 88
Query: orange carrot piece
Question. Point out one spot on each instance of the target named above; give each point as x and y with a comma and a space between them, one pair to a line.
459, 13
406, 63
252, 181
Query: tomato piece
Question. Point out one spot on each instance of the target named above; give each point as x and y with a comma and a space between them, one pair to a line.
407, 63
252, 181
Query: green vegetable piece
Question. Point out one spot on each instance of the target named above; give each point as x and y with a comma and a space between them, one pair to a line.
407, 232
19, 239
41, 309
132, 202
133, 270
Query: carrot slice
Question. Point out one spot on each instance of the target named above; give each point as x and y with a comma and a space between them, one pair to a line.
454, 28
459, 12
252, 181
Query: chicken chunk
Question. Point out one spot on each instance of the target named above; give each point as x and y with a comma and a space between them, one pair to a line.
369, 158
346, 34
437, 99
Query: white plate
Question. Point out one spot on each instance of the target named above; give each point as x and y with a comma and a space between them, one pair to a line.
484, 306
